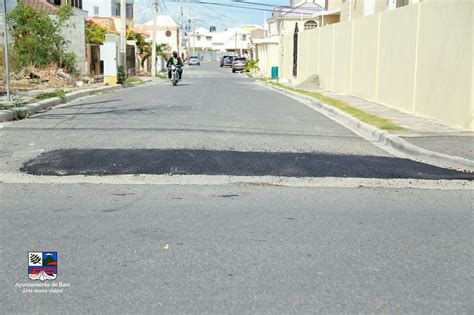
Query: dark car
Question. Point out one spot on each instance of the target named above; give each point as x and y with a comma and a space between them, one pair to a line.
194, 60
226, 61
239, 64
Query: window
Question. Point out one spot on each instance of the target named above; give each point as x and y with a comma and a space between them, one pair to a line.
74, 3
77, 3
116, 9
198, 37
129, 9
208, 38
310, 25
244, 37
96, 11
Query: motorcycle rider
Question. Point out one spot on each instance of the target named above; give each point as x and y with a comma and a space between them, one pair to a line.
176, 60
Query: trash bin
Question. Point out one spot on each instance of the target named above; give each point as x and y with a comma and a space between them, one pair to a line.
274, 73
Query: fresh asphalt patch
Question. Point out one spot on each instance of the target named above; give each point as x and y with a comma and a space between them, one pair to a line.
206, 162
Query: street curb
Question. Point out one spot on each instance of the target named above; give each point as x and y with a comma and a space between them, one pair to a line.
383, 139
10, 114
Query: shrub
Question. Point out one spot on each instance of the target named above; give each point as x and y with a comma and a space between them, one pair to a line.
252, 65
36, 38
121, 77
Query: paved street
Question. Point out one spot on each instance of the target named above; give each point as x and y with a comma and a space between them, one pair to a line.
133, 247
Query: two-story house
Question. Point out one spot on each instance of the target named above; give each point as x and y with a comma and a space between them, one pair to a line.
107, 8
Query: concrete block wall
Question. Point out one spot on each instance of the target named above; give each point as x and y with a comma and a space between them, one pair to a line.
417, 58
75, 34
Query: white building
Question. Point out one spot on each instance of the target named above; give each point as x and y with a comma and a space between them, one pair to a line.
235, 39
166, 31
106, 8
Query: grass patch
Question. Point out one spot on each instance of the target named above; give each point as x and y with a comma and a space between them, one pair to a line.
374, 120
58, 93
8, 106
162, 75
133, 80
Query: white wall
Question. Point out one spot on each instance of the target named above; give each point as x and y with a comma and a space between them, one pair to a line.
267, 55
105, 7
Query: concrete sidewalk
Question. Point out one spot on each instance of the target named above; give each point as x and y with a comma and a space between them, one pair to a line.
423, 132
425, 140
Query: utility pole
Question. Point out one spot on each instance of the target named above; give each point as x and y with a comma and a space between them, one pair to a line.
5, 40
235, 42
123, 35
153, 48
188, 30
193, 25
180, 38
241, 44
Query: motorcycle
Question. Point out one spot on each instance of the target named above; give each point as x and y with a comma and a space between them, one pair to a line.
174, 74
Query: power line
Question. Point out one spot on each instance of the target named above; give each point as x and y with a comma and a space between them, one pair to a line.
246, 7
257, 3
220, 14
234, 6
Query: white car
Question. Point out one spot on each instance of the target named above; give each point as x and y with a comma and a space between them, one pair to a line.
194, 60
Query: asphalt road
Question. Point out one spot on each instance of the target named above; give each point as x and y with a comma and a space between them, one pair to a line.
239, 249
212, 109
145, 248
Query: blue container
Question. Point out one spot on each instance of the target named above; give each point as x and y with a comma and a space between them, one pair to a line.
274, 73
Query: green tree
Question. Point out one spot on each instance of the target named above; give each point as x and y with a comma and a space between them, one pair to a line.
95, 34
37, 39
144, 47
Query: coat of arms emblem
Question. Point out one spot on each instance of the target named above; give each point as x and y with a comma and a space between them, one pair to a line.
42, 265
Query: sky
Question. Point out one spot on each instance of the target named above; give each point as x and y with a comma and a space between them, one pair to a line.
220, 16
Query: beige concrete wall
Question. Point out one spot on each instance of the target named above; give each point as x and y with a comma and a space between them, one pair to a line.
342, 57
471, 124
443, 79
417, 58
358, 8
334, 5
267, 55
312, 54
286, 58
308, 48
326, 56
397, 50
364, 56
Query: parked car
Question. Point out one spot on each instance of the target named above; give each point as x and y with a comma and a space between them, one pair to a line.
226, 61
239, 64
194, 60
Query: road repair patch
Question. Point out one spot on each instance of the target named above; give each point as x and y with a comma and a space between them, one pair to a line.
101, 162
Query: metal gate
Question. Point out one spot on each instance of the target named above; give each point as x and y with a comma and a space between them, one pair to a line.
131, 60
295, 51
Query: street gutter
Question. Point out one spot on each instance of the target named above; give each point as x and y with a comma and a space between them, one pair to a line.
387, 141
